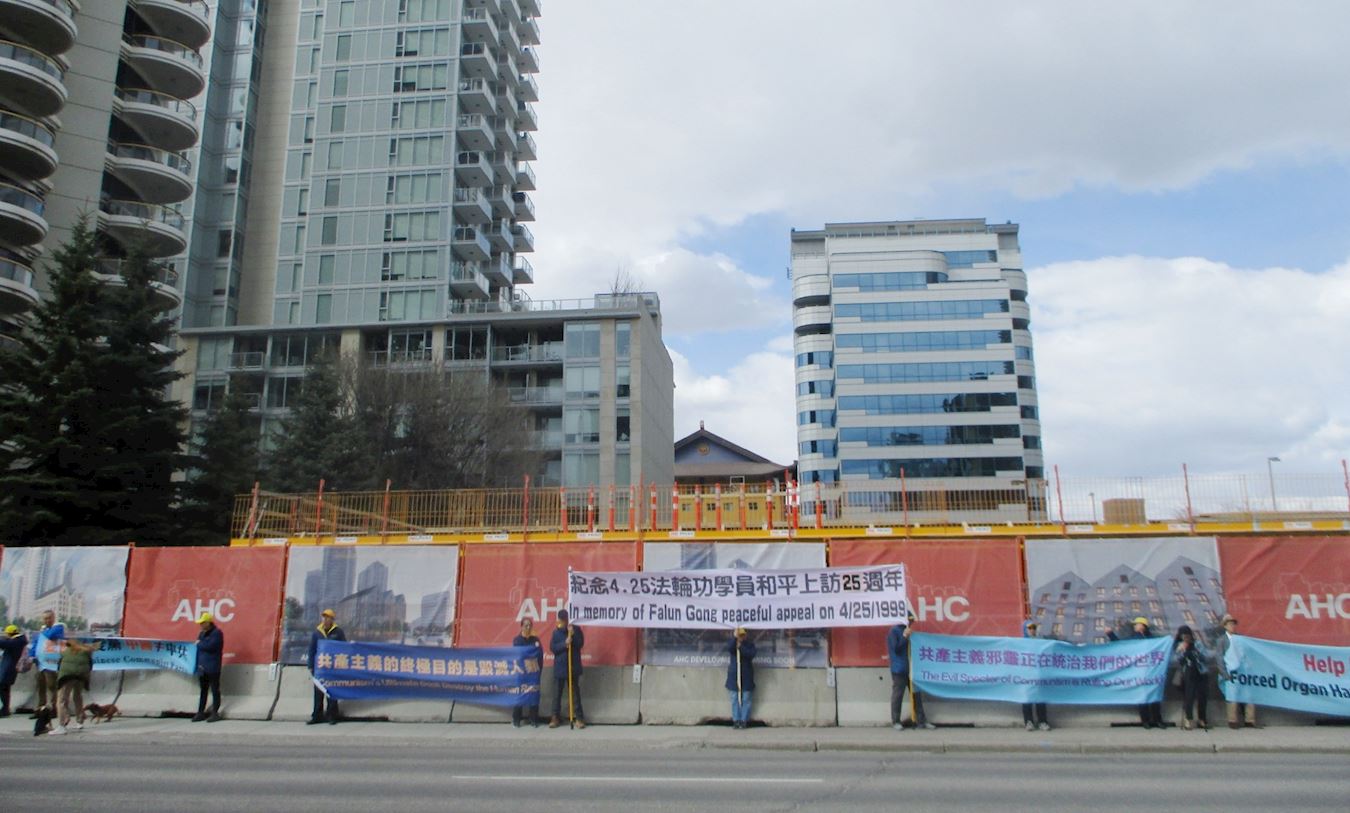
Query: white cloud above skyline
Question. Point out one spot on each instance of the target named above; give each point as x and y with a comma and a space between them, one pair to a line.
664, 122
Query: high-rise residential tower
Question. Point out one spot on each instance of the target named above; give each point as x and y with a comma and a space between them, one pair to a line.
916, 389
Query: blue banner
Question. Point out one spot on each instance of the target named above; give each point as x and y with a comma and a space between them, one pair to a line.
1302, 677
1034, 670
497, 676
124, 654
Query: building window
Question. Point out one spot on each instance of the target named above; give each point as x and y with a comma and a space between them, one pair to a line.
337, 118
582, 340
622, 386
326, 264
621, 425
581, 425
582, 382
343, 52
623, 337
328, 231
323, 309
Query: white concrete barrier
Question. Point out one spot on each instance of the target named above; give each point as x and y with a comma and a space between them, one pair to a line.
157, 694
691, 696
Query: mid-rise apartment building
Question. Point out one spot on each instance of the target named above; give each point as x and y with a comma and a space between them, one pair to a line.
916, 386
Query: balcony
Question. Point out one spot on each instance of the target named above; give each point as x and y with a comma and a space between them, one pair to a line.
477, 60
478, 25
474, 131
30, 81
527, 88
162, 120
503, 96
470, 243
535, 395
503, 129
21, 217
187, 21
506, 69
525, 178
498, 270
528, 60
47, 24
10, 333
158, 176
472, 168
26, 147
526, 119
157, 230
163, 280
548, 352
525, 147
509, 40
248, 360
499, 234
166, 65
530, 7
471, 205
524, 207
812, 319
500, 198
475, 96
523, 236
529, 30
522, 273
17, 293
467, 280
412, 357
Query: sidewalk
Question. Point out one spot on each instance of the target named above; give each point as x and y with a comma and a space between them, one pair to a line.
1280, 739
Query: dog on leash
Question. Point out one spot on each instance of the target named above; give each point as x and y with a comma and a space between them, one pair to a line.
42, 721
102, 714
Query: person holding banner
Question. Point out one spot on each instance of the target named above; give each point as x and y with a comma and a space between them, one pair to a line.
12, 645
72, 679
1235, 710
741, 677
46, 678
527, 638
327, 630
1150, 714
210, 649
897, 650
1033, 714
1190, 659
566, 645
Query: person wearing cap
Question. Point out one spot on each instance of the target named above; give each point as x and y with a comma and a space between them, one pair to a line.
12, 645
210, 655
327, 630
1236, 711
897, 650
1033, 714
1150, 714
741, 677
46, 678
566, 645
529, 639
1191, 661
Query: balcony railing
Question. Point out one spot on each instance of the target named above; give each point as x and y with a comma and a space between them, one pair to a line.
33, 59
173, 160
159, 272
249, 360
144, 211
536, 395
16, 272
388, 358
25, 126
166, 46
22, 198
547, 351
162, 100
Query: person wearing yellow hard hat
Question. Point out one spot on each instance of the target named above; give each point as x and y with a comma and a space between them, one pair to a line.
210, 654
741, 677
327, 630
12, 645
1150, 714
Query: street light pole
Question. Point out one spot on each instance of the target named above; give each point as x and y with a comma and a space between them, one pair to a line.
1270, 473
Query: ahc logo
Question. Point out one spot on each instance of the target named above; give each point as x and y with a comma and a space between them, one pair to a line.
221, 609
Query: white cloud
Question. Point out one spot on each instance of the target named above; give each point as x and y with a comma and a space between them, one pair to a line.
751, 404
1145, 363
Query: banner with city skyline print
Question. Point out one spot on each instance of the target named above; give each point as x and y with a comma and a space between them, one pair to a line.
402, 594
84, 586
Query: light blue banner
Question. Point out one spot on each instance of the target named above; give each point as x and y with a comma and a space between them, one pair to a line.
1302, 677
1033, 670
496, 676
125, 654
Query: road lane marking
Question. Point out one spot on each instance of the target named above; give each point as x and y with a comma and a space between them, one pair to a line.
740, 780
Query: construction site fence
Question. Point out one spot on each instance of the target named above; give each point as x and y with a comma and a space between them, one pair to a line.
1183, 498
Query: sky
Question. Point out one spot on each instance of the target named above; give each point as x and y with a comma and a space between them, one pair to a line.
1180, 172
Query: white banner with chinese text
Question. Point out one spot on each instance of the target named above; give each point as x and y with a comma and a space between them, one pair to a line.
755, 599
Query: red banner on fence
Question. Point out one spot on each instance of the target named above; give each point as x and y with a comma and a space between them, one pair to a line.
957, 587
505, 584
1289, 588
168, 588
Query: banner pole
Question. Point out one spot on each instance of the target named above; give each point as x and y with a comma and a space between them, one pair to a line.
740, 697
571, 697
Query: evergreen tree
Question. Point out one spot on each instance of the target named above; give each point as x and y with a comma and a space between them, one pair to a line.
227, 463
321, 438
92, 438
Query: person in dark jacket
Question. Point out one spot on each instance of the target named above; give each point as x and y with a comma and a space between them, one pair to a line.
741, 677
897, 650
1150, 714
527, 638
566, 645
12, 645
1191, 660
1235, 710
210, 654
330, 631
1033, 714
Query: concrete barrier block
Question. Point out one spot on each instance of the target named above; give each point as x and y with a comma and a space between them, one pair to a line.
295, 701
249, 691
103, 688
154, 694
691, 696
864, 696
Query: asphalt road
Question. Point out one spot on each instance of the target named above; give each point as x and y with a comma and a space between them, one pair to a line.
89, 772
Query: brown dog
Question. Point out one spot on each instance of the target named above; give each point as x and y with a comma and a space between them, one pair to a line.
102, 714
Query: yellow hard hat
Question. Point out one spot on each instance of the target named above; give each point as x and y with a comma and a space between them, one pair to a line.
1141, 620
204, 618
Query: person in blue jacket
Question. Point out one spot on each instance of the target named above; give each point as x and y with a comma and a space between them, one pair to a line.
1150, 714
12, 645
46, 678
566, 645
741, 677
897, 649
210, 654
527, 638
327, 630
1033, 714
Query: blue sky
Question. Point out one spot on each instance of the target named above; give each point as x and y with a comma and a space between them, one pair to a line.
1181, 179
